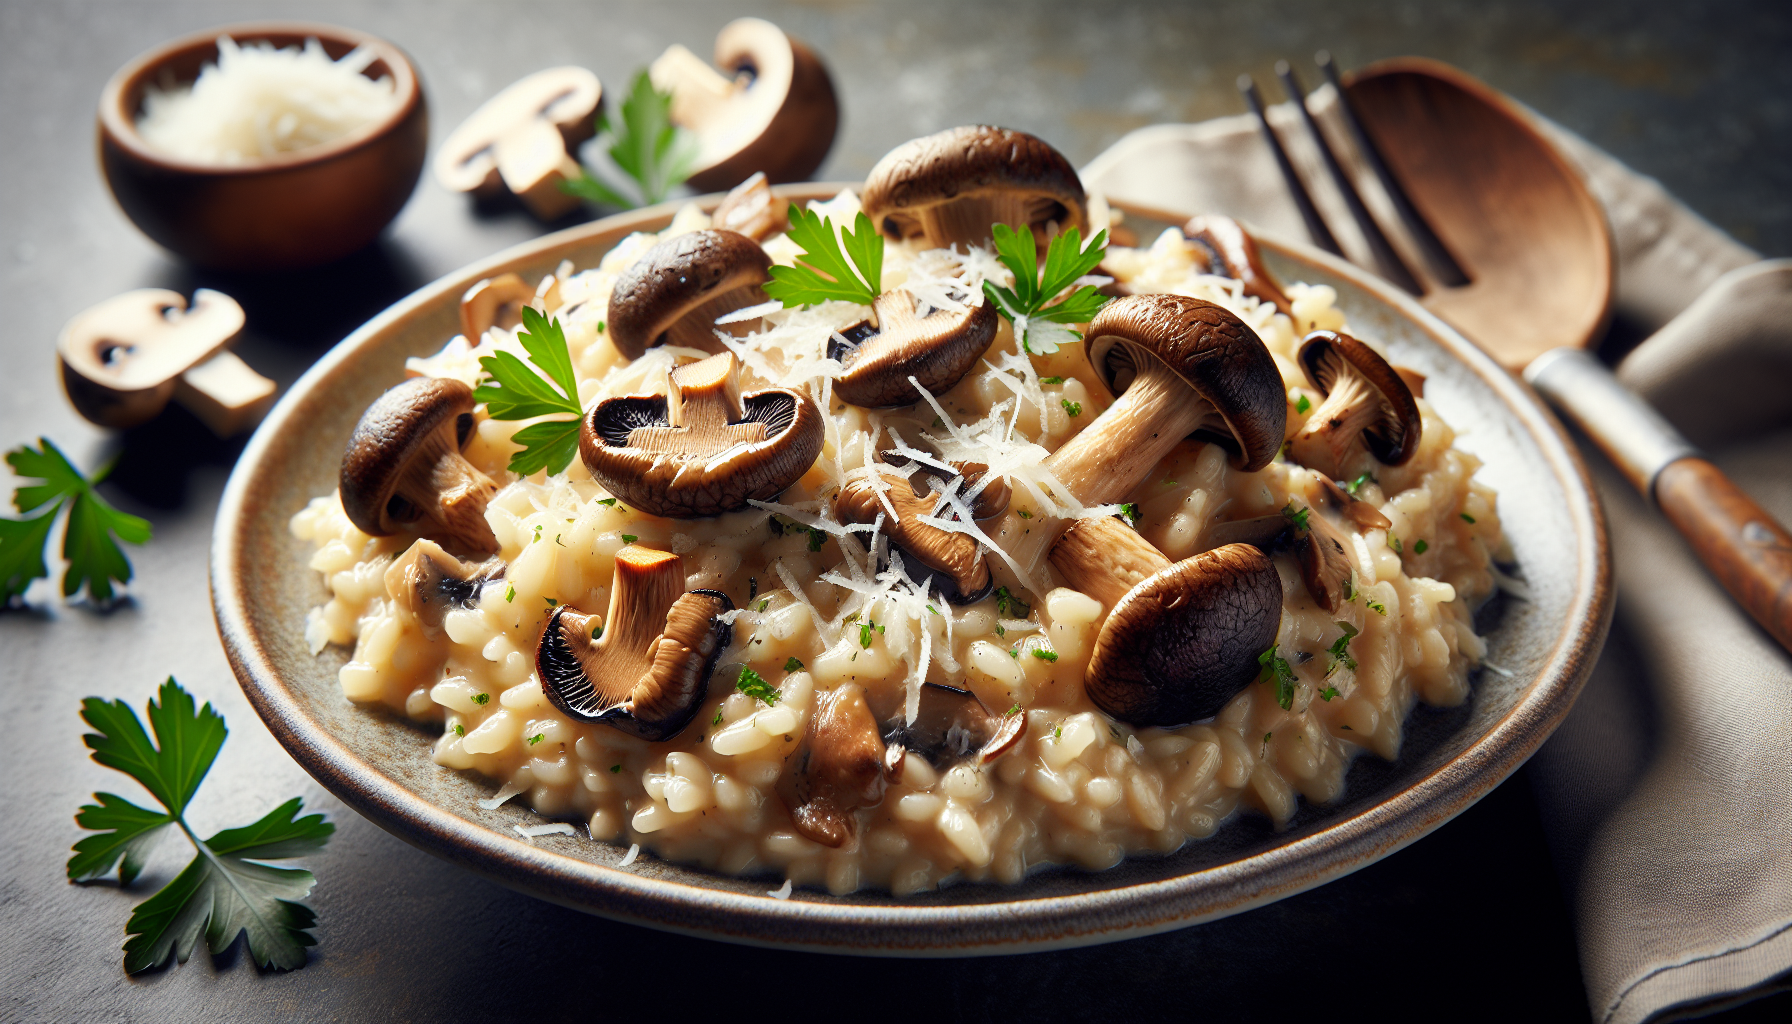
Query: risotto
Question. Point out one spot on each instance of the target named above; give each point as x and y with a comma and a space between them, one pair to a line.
857, 710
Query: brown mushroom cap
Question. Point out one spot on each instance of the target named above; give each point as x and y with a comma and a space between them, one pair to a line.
403, 468
649, 671
1367, 405
837, 769
704, 448
937, 350
951, 726
952, 187
675, 292
427, 581
1181, 644
950, 562
1232, 252
750, 210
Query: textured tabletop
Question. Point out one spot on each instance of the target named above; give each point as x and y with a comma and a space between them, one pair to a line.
1467, 924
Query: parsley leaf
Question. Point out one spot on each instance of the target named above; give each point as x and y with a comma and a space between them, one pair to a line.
1044, 655
225, 890
630, 538
1276, 669
1297, 516
1011, 606
1376, 606
754, 685
653, 152
1340, 650
1071, 409
1303, 403
1327, 694
823, 273
1029, 303
88, 545
514, 391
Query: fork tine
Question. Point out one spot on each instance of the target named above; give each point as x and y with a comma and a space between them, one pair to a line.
1443, 265
1322, 235
1392, 267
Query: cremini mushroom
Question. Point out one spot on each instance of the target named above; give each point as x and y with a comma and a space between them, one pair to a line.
771, 107
881, 354
951, 727
1230, 251
126, 358
1325, 567
989, 503
952, 187
837, 769
524, 140
403, 469
952, 563
427, 581
646, 667
1367, 408
493, 302
1185, 638
1266, 532
675, 292
703, 448
750, 209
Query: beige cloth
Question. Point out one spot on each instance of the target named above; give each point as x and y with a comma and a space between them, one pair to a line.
1667, 794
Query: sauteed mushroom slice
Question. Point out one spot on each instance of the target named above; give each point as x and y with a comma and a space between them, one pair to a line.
1367, 407
675, 292
403, 468
937, 350
750, 209
1230, 251
1324, 566
953, 187
951, 563
649, 670
951, 726
989, 503
523, 139
837, 769
493, 302
427, 581
703, 448
1354, 509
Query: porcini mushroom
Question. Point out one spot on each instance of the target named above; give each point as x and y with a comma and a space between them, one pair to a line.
1181, 642
771, 108
951, 562
951, 727
675, 292
403, 468
126, 358
882, 354
1367, 407
427, 581
703, 448
750, 209
649, 670
493, 302
952, 187
837, 769
523, 140
1230, 251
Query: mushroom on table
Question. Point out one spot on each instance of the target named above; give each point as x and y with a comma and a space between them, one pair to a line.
703, 448
678, 289
523, 140
937, 350
403, 469
1368, 411
649, 669
952, 187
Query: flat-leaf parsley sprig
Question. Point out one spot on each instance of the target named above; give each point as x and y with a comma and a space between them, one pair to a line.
89, 537
654, 153
1028, 305
823, 273
225, 890
513, 391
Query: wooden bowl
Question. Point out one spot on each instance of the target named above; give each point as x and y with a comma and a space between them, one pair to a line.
380, 764
300, 209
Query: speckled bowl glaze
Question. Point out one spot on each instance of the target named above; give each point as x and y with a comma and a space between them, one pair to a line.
380, 765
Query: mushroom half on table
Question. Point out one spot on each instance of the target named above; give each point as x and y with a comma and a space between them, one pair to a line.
1368, 410
952, 187
523, 141
677, 290
403, 469
703, 448
646, 670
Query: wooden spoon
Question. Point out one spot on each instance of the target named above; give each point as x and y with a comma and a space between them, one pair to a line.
1535, 246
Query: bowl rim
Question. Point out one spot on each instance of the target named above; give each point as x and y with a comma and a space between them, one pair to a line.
976, 928
119, 125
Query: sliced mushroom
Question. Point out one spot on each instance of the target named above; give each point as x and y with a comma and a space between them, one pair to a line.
989, 503
493, 302
1355, 509
1231, 252
703, 448
937, 350
427, 581
951, 562
403, 469
751, 210
124, 359
649, 670
523, 140
770, 109
837, 769
1182, 642
675, 292
951, 727
1324, 566
1367, 407
951, 188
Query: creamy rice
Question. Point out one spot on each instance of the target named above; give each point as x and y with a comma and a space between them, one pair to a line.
1080, 788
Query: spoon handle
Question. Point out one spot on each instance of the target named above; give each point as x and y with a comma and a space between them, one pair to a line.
1748, 552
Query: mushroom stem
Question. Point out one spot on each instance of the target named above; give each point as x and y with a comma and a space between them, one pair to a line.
1105, 559
448, 490
971, 219
643, 590
1333, 433
703, 408
697, 329
1114, 454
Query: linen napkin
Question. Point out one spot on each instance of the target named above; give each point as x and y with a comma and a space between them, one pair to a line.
1667, 793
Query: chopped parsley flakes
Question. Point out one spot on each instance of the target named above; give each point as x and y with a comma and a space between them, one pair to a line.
1297, 516
1071, 409
1051, 380
1340, 650
1467, 518
630, 538
793, 665
754, 685
536, 738
1419, 546
1303, 404
1044, 655
1011, 606
482, 698
1277, 670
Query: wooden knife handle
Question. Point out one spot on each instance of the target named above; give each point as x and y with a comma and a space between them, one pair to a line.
1748, 552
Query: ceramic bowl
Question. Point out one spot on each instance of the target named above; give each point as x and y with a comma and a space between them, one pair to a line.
300, 209
380, 764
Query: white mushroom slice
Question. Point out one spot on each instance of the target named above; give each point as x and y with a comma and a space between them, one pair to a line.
523, 140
